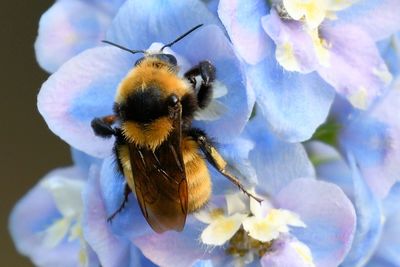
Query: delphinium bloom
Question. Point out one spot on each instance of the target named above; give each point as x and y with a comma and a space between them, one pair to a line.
84, 88
46, 225
69, 27
301, 222
292, 60
297, 51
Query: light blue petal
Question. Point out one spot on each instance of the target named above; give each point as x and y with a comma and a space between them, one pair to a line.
212, 5
138, 24
82, 89
112, 249
276, 162
330, 166
210, 43
293, 104
242, 20
63, 34
380, 18
32, 215
83, 161
388, 251
390, 51
328, 214
369, 224
203, 263
130, 221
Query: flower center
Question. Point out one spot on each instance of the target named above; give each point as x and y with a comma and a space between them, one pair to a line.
241, 244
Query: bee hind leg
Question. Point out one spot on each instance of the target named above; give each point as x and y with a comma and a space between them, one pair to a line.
216, 160
206, 71
127, 191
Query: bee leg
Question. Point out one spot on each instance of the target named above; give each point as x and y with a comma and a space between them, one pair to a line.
127, 191
215, 159
207, 73
102, 126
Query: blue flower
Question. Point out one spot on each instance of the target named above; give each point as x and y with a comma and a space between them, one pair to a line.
70, 27
84, 88
319, 234
46, 224
296, 53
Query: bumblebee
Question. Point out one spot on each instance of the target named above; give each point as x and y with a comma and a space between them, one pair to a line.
162, 157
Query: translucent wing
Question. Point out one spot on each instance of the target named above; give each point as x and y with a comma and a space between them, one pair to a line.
160, 180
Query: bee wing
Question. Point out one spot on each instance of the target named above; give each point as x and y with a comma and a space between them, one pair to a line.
160, 182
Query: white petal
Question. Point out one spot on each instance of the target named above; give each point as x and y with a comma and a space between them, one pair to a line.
204, 215
291, 218
221, 230
219, 89
235, 203
260, 209
56, 232
212, 112
260, 229
66, 193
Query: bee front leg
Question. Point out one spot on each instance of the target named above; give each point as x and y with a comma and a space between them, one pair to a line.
127, 191
215, 159
102, 126
207, 73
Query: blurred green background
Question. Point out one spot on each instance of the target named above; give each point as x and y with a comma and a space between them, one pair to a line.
28, 149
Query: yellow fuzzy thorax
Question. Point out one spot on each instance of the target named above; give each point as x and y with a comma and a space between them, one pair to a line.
156, 73
149, 135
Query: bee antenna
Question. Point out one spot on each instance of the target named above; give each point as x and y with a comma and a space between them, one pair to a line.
123, 48
181, 37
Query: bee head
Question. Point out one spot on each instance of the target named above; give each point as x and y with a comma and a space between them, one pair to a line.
166, 58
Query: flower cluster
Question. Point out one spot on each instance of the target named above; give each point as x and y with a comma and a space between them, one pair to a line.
304, 111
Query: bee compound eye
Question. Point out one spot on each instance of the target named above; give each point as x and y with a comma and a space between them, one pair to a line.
172, 100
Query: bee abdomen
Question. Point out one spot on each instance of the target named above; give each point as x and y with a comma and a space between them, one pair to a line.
199, 183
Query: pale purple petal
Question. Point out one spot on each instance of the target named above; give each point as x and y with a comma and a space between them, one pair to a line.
356, 69
175, 249
292, 32
379, 18
63, 35
242, 20
331, 167
282, 255
328, 214
82, 89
